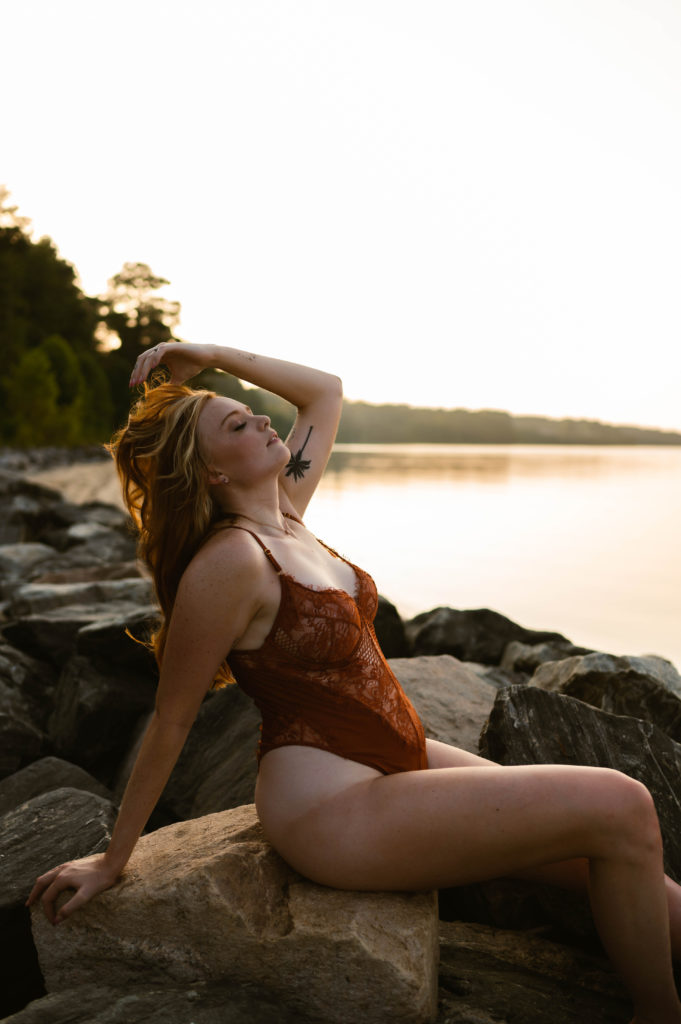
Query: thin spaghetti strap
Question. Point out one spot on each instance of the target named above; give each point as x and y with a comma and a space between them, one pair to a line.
267, 551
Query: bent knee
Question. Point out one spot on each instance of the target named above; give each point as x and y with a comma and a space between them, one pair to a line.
633, 810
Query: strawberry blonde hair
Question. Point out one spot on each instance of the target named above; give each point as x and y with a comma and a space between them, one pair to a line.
165, 488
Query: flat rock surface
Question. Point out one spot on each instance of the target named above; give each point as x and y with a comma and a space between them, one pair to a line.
209, 900
162, 1004
52, 828
490, 976
477, 634
452, 701
43, 776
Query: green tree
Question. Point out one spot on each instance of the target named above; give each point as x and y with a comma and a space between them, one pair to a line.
132, 313
131, 310
32, 398
43, 308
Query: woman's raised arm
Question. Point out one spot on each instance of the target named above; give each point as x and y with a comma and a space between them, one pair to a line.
317, 395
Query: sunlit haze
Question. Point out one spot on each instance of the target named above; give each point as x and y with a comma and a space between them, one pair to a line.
446, 202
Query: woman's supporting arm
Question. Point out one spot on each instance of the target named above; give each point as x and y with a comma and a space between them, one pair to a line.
216, 600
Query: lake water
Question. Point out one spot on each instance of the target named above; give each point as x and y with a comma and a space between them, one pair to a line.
583, 540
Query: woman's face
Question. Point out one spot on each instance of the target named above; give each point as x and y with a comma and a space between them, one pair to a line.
237, 444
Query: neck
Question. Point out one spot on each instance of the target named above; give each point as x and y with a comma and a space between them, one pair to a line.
260, 507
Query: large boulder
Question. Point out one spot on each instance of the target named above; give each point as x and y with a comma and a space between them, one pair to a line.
50, 828
647, 688
34, 837
52, 634
488, 975
452, 701
95, 711
390, 631
25, 508
21, 741
527, 657
210, 901
35, 598
32, 681
160, 1004
532, 726
474, 635
217, 767
22, 561
43, 776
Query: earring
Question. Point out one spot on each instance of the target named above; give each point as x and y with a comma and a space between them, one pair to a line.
224, 480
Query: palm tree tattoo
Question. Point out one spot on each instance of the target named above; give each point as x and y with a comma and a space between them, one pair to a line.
297, 464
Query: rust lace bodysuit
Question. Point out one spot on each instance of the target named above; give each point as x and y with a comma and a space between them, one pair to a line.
320, 678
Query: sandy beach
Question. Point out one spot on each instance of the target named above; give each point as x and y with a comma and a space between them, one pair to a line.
81, 482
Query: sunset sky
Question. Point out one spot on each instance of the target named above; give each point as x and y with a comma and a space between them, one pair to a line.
466, 203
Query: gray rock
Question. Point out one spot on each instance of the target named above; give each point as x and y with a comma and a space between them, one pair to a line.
32, 681
488, 976
521, 657
36, 598
24, 508
52, 828
95, 712
209, 900
163, 1004
496, 675
106, 638
20, 740
531, 726
88, 573
43, 776
452, 702
475, 635
390, 631
88, 531
19, 561
589, 678
52, 634
217, 768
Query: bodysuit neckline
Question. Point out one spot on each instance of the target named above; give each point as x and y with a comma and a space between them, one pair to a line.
310, 587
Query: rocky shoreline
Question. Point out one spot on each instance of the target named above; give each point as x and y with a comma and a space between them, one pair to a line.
75, 695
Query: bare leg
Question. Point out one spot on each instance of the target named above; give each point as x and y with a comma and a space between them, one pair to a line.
450, 826
572, 874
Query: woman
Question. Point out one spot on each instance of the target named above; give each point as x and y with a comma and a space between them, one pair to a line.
349, 791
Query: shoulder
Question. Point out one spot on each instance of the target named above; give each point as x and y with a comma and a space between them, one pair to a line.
229, 568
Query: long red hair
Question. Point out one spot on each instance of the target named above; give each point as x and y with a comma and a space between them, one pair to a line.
165, 488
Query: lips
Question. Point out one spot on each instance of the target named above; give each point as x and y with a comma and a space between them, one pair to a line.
274, 437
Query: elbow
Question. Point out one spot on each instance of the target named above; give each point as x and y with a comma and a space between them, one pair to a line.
335, 386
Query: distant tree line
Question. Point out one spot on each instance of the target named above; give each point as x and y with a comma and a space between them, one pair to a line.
67, 356
373, 424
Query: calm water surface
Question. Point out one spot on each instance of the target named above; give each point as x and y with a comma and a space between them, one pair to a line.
583, 540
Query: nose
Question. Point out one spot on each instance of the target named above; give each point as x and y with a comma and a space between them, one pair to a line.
264, 422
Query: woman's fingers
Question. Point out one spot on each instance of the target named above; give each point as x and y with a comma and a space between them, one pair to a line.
49, 897
145, 363
41, 883
80, 897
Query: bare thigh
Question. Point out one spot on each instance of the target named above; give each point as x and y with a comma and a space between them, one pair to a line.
451, 825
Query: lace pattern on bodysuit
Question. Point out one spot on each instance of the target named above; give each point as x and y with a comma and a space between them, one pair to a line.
320, 678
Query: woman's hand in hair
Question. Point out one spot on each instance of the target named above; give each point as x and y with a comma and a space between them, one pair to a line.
183, 359
88, 876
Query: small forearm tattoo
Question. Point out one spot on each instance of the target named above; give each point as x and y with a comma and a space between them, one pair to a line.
297, 465
248, 356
